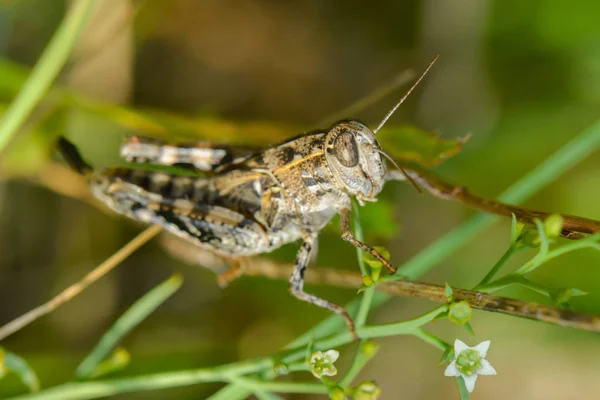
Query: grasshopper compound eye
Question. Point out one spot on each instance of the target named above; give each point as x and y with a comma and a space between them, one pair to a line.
345, 149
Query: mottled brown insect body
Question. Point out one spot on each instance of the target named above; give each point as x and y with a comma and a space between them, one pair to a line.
269, 198
245, 205
254, 203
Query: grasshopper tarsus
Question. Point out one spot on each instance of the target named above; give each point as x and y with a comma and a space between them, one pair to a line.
348, 236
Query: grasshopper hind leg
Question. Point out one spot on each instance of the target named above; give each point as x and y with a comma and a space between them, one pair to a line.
200, 156
305, 256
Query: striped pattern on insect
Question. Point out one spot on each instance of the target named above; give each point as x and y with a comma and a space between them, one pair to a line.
254, 203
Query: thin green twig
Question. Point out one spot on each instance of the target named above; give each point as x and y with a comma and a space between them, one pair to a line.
368, 293
462, 389
126, 322
431, 339
496, 268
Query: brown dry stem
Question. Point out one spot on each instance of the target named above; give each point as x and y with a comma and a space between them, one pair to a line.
573, 227
266, 268
73, 290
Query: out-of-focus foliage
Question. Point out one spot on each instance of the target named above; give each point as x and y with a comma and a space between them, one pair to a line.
521, 77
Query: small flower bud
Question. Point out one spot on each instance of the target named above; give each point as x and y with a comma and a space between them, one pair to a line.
120, 357
369, 348
367, 390
553, 226
460, 312
280, 369
337, 393
529, 237
321, 363
367, 281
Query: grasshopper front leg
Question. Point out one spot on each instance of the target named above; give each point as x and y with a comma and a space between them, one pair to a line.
305, 257
348, 236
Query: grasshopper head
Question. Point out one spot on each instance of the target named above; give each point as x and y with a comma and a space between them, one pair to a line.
353, 155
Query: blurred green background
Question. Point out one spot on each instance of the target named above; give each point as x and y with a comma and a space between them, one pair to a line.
522, 77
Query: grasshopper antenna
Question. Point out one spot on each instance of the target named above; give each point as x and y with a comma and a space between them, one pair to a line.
393, 110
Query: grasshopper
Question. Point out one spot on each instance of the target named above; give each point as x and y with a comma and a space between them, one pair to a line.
244, 205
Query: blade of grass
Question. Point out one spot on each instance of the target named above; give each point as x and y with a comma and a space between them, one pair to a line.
19, 366
46, 69
129, 320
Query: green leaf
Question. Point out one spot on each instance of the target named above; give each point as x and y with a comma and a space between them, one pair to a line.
413, 144
449, 292
119, 359
515, 230
18, 366
129, 320
469, 328
561, 297
447, 356
44, 72
402, 142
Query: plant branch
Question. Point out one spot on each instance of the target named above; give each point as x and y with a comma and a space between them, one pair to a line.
267, 268
574, 227
79, 286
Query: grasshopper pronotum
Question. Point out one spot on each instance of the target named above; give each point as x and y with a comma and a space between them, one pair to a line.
256, 202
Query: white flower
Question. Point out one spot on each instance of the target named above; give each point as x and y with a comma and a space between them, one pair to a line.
322, 363
469, 362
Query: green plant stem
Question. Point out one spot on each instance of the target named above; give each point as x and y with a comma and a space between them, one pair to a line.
545, 173
333, 324
289, 387
360, 360
95, 389
490, 275
431, 339
462, 389
46, 69
549, 170
126, 322
538, 260
224, 373
233, 391
267, 396
367, 295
